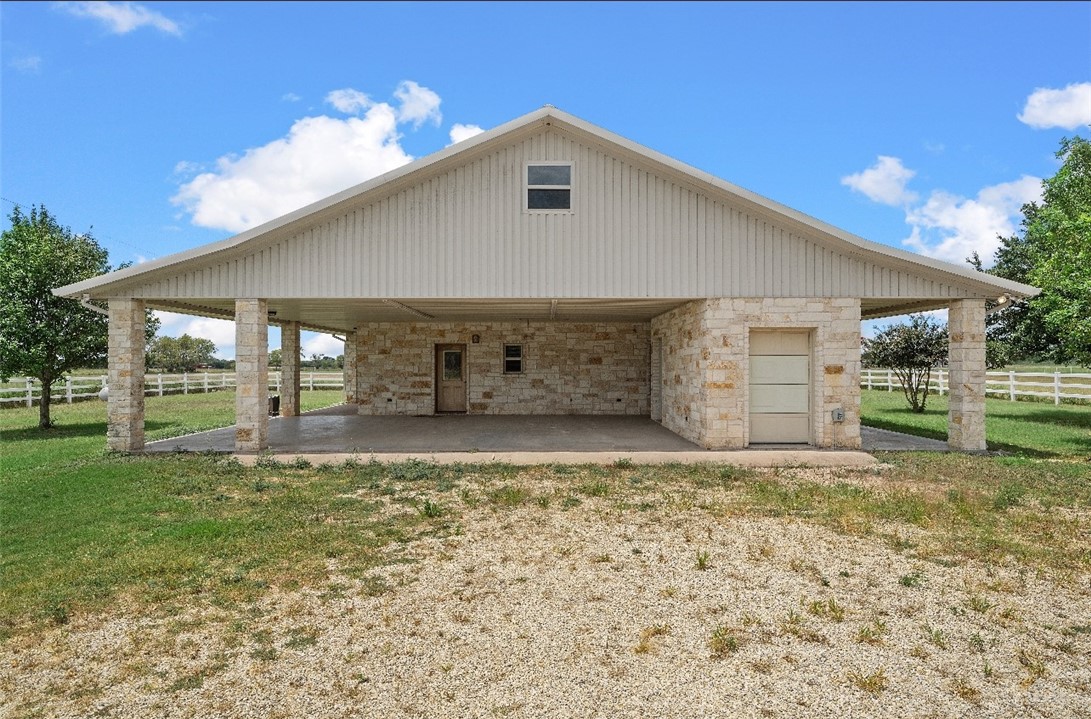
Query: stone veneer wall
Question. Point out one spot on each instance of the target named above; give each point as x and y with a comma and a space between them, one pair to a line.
251, 375
966, 365
706, 368
568, 367
125, 378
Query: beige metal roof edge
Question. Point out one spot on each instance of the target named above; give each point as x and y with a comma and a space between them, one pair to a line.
77, 289
851, 241
545, 115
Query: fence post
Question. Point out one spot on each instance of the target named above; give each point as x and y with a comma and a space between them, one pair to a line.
159, 381
868, 378
223, 379
185, 383
30, 392
940, 378
206, 382
1056, 388
889, 381
1011, 385
68, 389
310, 380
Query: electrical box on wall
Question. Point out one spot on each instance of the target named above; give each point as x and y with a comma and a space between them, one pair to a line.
838, 414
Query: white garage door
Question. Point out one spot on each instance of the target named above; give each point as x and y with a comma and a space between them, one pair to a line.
780, 386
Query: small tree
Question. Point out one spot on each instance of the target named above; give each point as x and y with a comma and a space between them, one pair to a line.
180, 354
911, 351
42, 335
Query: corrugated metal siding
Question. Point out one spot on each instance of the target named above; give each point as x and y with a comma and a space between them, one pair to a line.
463, 233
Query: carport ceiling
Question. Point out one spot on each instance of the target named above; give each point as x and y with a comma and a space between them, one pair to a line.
341, 315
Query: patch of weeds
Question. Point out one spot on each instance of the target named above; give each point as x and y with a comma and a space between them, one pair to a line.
827, 608
468, 497
935, 637
964, 690
899, 543
762, 666
645, 646
542, 500
723, 642
872, 633
749, 620
508, 496
1008, 495
571, 501
1034, 665
563, 470
871, 683
758, 552
977, 643
603, 559
193, 680
300, 463
301, 637
595, 489
431, 509
623, 463
987, 670
263, 653
261, 484
794, 626
414, 470
1010, 614
919, 652
374, 586
978, 603
668, 592
702, 562
266, 460
58, 613
911, 580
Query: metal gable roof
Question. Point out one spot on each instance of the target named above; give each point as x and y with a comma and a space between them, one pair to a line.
465, 151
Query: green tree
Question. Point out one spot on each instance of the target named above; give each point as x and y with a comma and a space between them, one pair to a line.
911, 351
42, 335
180, 354
1053, 252
275, 358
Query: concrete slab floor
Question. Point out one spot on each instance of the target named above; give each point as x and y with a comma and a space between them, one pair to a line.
337, 433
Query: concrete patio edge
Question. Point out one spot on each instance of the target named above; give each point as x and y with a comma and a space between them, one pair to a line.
740, 458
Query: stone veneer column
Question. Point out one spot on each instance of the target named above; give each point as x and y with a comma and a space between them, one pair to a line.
125, 403
289, 370
251, 375
966, 359
350, 368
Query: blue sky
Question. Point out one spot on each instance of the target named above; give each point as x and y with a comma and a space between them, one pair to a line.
164, 126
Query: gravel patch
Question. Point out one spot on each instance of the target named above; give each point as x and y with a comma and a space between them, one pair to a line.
593, 612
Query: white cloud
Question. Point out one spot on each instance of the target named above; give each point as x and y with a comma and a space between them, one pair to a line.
418, 104
315, 343
1068, 108
460, 132
290, 97
349, 101
951, 228
319, 157
28, 63
122, 17
883, 182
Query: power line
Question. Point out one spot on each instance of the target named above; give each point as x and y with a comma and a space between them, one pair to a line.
109, 238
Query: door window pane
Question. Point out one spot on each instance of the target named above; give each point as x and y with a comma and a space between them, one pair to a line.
452, 365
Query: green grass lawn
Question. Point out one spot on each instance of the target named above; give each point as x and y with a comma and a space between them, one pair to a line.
87, 531
1034, 429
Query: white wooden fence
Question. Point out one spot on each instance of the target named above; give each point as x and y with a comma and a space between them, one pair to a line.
1057, 386
26, 391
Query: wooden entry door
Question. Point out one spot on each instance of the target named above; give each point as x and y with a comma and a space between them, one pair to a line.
450, 378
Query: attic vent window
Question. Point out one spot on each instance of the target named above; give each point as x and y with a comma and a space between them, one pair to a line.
549, 186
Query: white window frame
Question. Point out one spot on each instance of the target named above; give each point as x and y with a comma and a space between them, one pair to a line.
522, 357
571, 187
